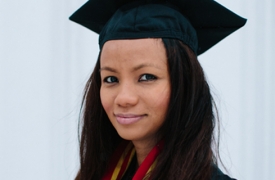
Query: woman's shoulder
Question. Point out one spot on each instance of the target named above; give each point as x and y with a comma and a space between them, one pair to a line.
219, 175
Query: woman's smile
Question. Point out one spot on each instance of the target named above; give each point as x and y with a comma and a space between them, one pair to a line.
126, 119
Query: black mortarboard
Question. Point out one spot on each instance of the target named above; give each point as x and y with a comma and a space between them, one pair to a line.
200, 24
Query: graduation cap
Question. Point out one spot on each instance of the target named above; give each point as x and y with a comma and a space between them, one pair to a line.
200, 24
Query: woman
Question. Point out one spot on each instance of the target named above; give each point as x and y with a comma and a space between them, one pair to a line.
148, 111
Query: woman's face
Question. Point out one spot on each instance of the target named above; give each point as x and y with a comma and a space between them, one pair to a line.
135, 88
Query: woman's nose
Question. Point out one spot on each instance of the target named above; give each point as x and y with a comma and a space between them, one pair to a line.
126, 95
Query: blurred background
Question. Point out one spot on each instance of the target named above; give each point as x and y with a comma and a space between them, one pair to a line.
45, 61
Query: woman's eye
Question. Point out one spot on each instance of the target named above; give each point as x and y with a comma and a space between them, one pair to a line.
110, 79
147, 77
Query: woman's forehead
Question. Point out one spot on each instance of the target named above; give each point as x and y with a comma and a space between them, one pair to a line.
134, 52
139, 43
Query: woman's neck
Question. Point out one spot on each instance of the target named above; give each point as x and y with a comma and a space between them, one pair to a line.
142, 149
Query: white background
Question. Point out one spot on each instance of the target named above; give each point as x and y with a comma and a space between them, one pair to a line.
45, 61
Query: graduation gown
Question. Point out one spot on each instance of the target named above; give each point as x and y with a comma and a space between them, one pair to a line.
217, 173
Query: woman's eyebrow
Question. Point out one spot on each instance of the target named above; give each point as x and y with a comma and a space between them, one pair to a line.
107, 69
146, 65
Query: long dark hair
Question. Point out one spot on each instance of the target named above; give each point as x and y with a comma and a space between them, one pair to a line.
187, 130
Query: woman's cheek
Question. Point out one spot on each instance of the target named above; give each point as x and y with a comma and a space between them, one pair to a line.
161, 97
105, 100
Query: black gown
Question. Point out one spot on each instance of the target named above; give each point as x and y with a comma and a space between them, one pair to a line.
130, 172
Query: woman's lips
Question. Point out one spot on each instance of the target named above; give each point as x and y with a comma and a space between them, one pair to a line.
128, 118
